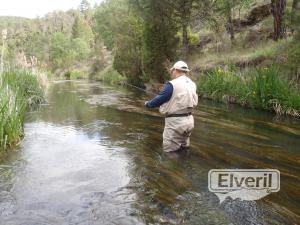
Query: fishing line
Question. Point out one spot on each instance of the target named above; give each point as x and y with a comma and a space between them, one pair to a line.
141, 89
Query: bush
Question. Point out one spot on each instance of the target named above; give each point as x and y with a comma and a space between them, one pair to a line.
194, 38
111, 76
294, 57
271, 92
263, 89
18, 92
75, 75
219, 84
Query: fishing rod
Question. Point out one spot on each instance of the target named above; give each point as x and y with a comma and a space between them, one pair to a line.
141, 89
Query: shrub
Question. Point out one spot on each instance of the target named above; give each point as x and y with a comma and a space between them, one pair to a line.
110, 75
75, 75
263, 89
271, 92
219, 83
18, 92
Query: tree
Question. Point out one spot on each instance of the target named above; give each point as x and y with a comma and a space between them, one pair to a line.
183, 9
160, 41
185, 12
81, 49
227, 8
61, 52
229, 26
81, 29
294, 14
278, 7
107, 19
128, 58
121, 30
85, 9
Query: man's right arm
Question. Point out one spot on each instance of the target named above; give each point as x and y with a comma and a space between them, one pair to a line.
162, 98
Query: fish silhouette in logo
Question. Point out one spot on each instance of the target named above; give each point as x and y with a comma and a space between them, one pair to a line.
244, 194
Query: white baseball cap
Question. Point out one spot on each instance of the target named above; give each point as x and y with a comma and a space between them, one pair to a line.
180, 65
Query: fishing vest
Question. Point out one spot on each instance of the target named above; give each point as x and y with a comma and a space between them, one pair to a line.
184, 96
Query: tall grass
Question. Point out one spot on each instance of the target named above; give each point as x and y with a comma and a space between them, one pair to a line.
262, 89
19, 91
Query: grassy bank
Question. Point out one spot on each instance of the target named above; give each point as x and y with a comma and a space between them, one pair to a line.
260, 89
19, 91
109, 75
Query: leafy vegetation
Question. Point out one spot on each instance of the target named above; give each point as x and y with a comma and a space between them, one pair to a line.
19, 91
262, 89
110, 76
138, 40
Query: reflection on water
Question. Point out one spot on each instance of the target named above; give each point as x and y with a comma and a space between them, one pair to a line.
92, 156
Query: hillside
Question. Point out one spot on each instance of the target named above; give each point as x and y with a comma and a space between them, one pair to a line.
137, 41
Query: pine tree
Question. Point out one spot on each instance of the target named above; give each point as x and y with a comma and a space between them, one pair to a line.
81, 29
160, 41
85, 9
294, 14
278, 8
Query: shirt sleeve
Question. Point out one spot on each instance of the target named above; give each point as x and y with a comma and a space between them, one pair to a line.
162, 97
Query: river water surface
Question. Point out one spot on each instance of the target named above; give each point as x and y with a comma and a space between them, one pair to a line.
92, 155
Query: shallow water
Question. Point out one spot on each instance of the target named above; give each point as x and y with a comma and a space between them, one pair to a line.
92, 155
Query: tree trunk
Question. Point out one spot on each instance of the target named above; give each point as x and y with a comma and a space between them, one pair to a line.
185, 19
185, 41
229, 25
294, 6
293, 14
278, 7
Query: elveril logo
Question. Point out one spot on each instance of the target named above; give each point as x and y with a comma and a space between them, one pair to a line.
245, 184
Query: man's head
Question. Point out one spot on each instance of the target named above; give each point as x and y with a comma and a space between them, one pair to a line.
180, 68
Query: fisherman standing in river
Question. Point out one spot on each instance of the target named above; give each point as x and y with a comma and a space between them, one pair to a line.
176, 102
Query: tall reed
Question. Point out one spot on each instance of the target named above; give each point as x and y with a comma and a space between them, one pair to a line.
19, 91
262, 89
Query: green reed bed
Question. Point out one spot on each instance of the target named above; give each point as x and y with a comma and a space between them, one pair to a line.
261, 89
19, 91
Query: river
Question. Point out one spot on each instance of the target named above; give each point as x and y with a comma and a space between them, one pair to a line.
92, 155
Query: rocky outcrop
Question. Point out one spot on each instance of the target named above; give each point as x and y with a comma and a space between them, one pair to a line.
256, 15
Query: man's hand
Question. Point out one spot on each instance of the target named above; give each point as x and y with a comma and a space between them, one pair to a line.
146, 104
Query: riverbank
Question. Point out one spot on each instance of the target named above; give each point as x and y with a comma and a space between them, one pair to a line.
19, 92
258, 88
261, 88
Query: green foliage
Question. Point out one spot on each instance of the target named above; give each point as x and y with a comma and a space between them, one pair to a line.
73, 75
194, 38
82, 30
108, 19
64, 52
142, 35
36, 44
160, 41
129, 50
294, 54
271, 92
18, 91
263, 90
219, 83
84, 6
81, 49
61, 52
110, 75
122, 30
